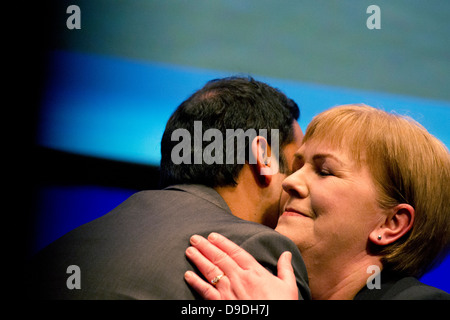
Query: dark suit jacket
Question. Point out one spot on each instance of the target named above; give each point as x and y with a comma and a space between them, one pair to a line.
395, 287
137, 251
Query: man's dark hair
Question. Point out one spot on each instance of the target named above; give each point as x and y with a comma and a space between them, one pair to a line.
229, 103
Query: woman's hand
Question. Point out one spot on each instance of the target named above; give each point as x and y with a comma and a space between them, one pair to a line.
237, 275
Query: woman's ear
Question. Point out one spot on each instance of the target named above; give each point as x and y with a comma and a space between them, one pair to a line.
262, 168
398, 222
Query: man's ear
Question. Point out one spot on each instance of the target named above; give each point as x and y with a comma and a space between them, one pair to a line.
398, 222
262, 167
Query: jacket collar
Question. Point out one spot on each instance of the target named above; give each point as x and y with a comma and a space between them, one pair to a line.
204, 192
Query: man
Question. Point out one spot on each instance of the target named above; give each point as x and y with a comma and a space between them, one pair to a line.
231, 186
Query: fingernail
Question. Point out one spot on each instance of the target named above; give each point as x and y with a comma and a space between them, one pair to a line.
189, 251
187, 275
289, 256
212, 236
195, 239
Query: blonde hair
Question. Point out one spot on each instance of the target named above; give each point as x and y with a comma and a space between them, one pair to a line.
408, 165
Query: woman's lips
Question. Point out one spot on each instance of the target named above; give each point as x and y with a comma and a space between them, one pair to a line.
294, 213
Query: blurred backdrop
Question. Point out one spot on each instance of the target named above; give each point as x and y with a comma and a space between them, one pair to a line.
105, 91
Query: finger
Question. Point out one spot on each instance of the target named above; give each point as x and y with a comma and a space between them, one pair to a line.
235, 252
286, 272
206, 267
215, 256
284, 267
204, 289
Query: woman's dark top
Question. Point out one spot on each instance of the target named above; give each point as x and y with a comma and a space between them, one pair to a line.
395, 287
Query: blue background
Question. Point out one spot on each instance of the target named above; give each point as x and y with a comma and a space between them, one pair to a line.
110, 87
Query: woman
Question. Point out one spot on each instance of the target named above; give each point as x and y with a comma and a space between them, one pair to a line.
369, 192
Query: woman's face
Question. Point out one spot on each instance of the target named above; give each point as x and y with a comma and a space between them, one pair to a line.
332, 207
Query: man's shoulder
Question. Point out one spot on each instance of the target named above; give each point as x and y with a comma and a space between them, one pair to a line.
211, 209
266, 246
186, 197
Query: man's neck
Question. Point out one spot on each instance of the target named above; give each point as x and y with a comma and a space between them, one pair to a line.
241, 202
246, 199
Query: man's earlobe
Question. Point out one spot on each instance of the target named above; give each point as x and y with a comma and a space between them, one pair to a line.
262, 167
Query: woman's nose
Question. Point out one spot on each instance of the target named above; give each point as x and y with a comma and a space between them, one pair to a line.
295, 184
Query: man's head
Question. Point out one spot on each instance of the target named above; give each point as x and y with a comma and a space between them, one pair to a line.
229, 103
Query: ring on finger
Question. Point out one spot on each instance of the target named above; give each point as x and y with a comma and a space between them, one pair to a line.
216, 279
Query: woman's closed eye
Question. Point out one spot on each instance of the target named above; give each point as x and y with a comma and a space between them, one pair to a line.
324, 172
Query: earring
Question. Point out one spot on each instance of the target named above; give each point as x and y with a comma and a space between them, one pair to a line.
379, 237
